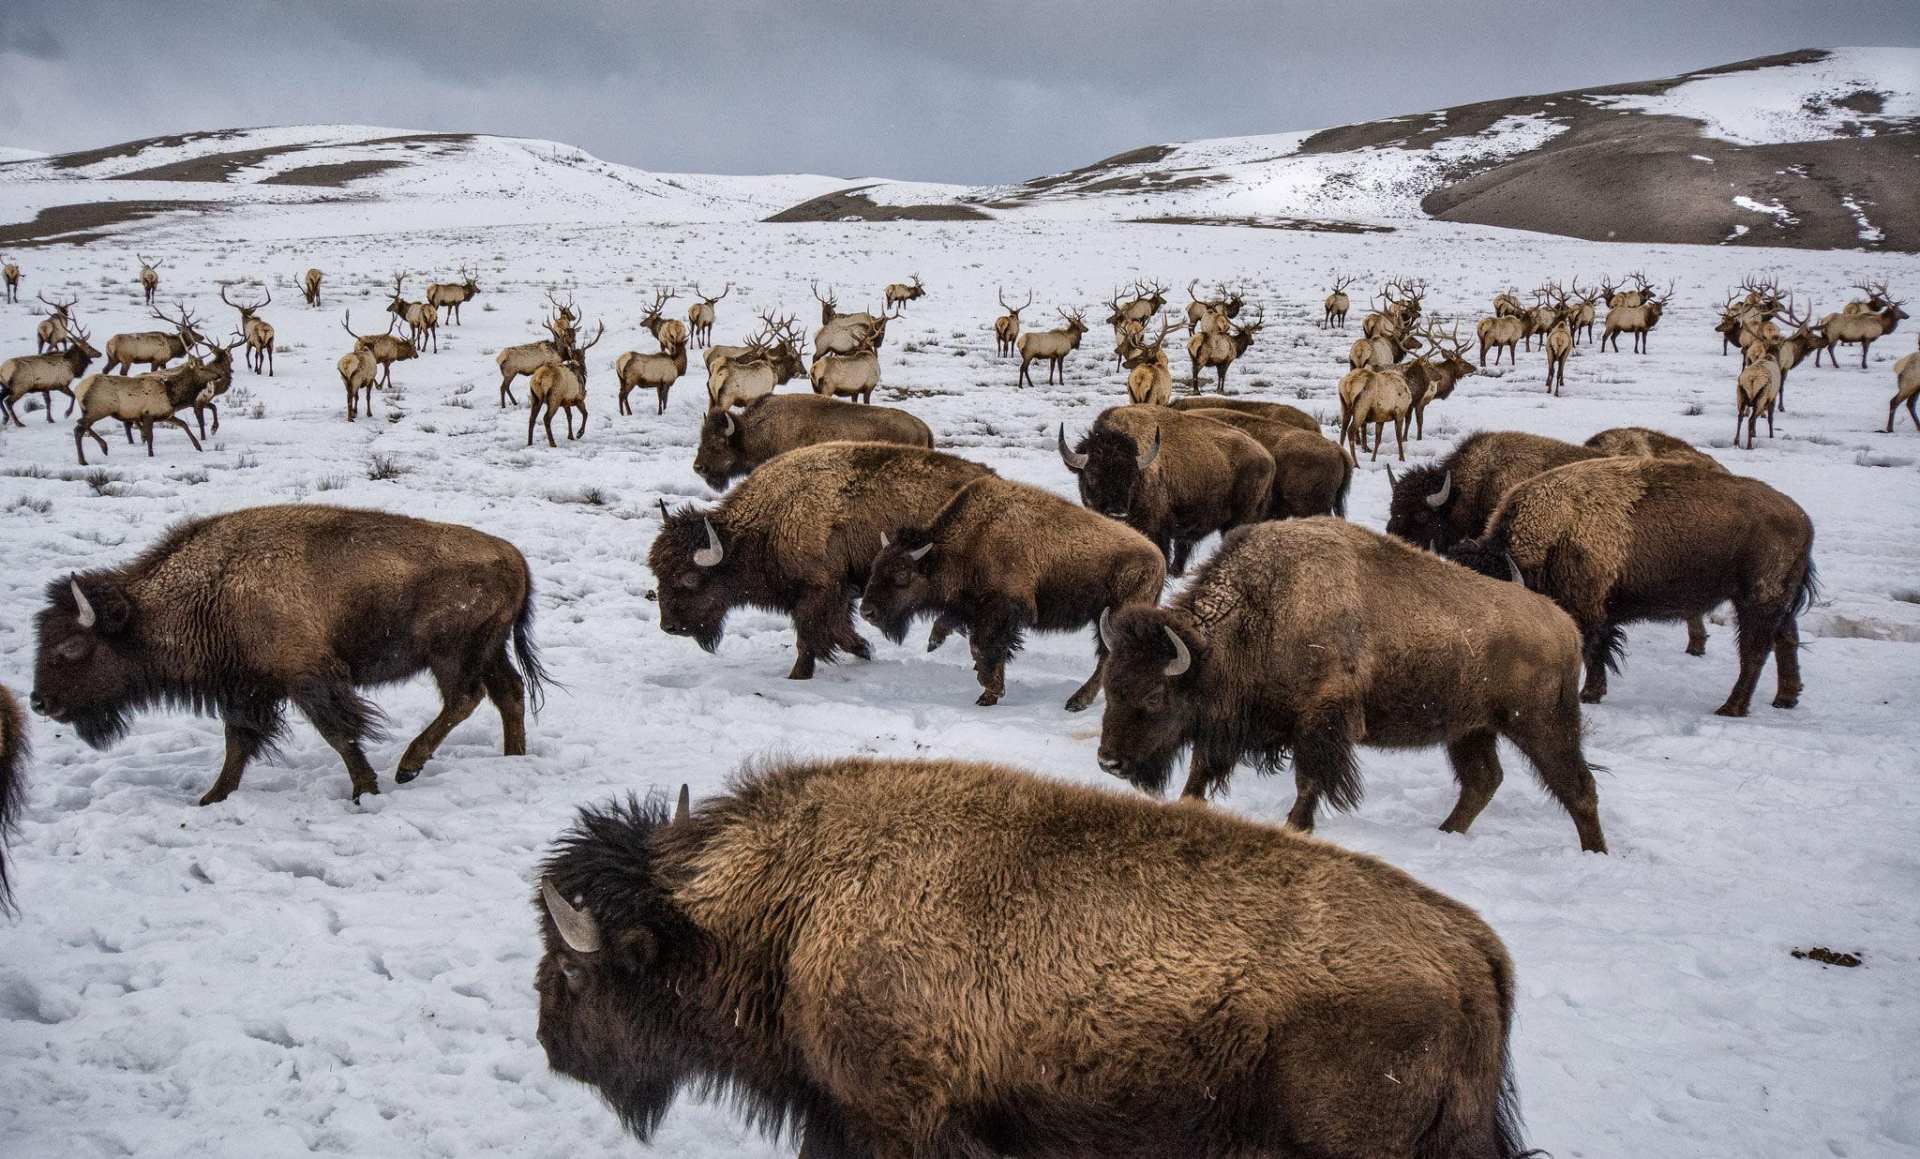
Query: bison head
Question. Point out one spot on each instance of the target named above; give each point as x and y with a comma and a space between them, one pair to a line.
85, 673
898, 586
618, 955
1154, 669
718, 460
693, 575
1110, 466
1418, 513
1488, 558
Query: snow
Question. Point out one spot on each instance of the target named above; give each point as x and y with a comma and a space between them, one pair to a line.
285, 974
1774, 209
1869, 232
14, 153
1793, 102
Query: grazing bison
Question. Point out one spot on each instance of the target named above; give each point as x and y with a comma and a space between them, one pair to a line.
732, 445
1277, 411
13, 783
798, 536
1174, 478
1311, 475
1617, 540
1305, 637
1644, 442
235, 615
1002, 557
890, 958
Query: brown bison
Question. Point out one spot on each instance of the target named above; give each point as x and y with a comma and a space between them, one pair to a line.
798, 536
1618, 540
887, 959
1644, 442
1305, 637
235, 615
13, 782
1174, 478
1278, 411
1311, 475
1001, 558
731, 445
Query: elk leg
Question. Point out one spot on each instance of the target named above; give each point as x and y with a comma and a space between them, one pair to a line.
583, 423
1552, 746
1696, 635
568, 413
270, 360
1915, 417
249, 732
549, 424
79, 443
1476, 766
506, 392
1024, 379
1399, 437
507, 689
146, 436
456, 705
1769, 422
342, 718
662, 408
128, 427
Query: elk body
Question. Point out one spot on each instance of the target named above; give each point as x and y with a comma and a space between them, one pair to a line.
10, 275
1432, 375
256, 331
849, 376
155, 348
1149, 378
310, 286
1906, 387
138, 400
1638, 321
733, 445
1334, 309
1501, 332
1006, 328
1212, 313
528, 357
663, 328
211, 378
385, 348
1755, 392
659, 371
44, 374
1558, 346
1379, 397
358, 370
149, 278
736, 375
561, 386
52, 331
421, 318
1218, 351
1052, 345
1864, 328
700, 315
1381, 353
446, 298
898, 294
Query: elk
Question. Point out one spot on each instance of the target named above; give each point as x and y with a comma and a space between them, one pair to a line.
256, 331
1379, 397
1793, 347
212, 377
1500, 332
1617, 297
1507, 304
662, 328
853, 375
1635, 320
1146, 302
528, 357
1052, 345
1558, 345
1006, 328
659, 371
52, 332
1219, 350
1543, 315
156, 348
1756, 391
450, 296
1335, 307
149, 278
1149, 379
849, 333
1212, 312
10, 274
45, 373
564, 319
700, 315
562, 386
898, 294
1906, 388
768, 360
1126, 330
1580, 319
421, 318
1864, 328
385, 348
309, 284
357, 372
1390, 349
1434, 373
138, 400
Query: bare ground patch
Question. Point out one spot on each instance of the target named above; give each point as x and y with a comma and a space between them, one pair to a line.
80, 224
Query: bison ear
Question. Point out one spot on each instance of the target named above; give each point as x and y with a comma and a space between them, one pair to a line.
638, 947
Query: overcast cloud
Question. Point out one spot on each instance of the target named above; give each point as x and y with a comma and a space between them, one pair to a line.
970, 90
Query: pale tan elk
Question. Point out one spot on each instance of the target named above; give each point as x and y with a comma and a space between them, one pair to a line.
1755, 392
1558, 345
700, 315
1617, 297
1507, 304
659, 371
1390, 349
446, 298
564, 320
744, 373
528, 357
898, 294
1638, 321
1218, 351
421, 319
1006, 328
257, 332
45, 373
155, 348
1052, 345
1501, 332
386, 349
137, 400
210, 377
1542, 315
1797, 340
664, 330
1581, 318
149, 278
849, 376
562, 386
52, 331
1863, 329
768, 325
10, 274
1147, 300
1381, 397
1149, 378
1212, 313
309, 284
1906, 388
357, 373
849, 333
1335, 307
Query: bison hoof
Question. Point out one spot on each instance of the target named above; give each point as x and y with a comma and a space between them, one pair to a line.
988, 699
1696, 649
1731, 709
1591, 697
860, 649
1786, 701
404, 774
1078, 703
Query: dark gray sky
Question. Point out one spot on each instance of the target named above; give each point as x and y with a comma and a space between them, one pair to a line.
969, 90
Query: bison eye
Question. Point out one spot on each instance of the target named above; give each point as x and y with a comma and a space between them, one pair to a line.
73, 648
690, 581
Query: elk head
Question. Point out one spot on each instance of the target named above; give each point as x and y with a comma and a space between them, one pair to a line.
829, 305
703, 296
247, 310
1012, 311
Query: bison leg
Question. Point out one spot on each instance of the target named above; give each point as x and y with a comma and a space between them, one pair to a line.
249, 732
1476, 766
1786, 662
508, 691
995, 633
342, 718
1696, 635
1207, 771
1083, 696
821, 620
1603, 646
945, 625
456, 705
1552, 746
1323, 767
1760, 629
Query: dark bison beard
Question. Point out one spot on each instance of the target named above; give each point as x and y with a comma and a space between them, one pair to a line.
100, 728
1150, 773
641, 1103
890, 621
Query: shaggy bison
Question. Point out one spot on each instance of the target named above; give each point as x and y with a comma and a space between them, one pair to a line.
1311, 475
732, 445
1003, 557
798, 536
1304, 637
13, 783
1293, 416
1617, 540
235, 615
889, 959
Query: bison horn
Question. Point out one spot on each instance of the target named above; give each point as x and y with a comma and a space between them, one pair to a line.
1391, 481
577, 927
82, 608
712, 553
884, 541
1153, 452
1439, 498
920, 553
1074, 462
681, 807
728, 416
1182, 659
663, 511
1106, 634
1513, 570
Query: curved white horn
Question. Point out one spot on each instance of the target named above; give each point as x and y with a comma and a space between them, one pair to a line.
1439, 498
728, 415
682, 807
884, 541
81, 607
920, 553
712, 553
1074, 462
1153, 452
1106, 636
1182, 659
1513, 570
577, 927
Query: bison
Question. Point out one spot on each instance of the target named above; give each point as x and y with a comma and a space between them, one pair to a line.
13, 782
889, 958
798, 536
1311, 475
1645, 442
1002, 557
731, 445
1617, 540
1293, 416
235, 615
1302, 638
1174, 478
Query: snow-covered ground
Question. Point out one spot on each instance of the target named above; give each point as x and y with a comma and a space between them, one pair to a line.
285, 974
1794, 102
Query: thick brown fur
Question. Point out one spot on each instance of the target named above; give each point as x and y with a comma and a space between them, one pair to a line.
13, 783
889, 959
235, 615
1619, 540
1309, 636
798, 536
1646, 442
1311, 475
774, 424
1202, 479
1278, 411
1482, 466
1005, 558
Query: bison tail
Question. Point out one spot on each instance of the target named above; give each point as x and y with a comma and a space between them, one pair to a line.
1807, 592
1346, 484
526, 654
13, 784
